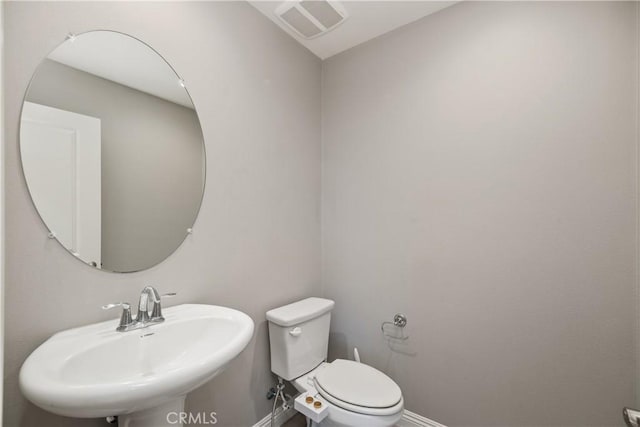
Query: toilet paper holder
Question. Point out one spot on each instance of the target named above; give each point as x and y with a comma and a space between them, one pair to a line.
399, 321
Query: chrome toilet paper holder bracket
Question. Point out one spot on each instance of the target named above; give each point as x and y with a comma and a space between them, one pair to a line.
399, 321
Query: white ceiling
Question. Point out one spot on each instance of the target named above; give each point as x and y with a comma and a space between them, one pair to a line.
124, 60
367, 20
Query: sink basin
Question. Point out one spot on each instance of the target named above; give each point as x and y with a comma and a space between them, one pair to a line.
94, 371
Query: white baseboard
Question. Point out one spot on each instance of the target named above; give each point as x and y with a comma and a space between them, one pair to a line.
409, 419
282, 416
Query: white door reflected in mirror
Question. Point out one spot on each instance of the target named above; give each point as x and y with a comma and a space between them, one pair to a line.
61, 159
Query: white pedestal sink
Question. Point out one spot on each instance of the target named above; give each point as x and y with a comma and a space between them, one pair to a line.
141, 376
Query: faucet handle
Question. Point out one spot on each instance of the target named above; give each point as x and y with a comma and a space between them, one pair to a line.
124, 305
125, 318
156, 314
631, 417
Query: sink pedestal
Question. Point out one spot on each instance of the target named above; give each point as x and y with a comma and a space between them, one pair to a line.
167, 415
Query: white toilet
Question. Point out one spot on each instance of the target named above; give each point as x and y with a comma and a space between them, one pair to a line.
355, 393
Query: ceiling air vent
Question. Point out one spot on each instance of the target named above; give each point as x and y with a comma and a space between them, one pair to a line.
311, 18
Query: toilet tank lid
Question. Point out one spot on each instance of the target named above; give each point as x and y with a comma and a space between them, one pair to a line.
301, 311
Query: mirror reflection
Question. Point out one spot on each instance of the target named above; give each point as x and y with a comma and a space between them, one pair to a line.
112, 151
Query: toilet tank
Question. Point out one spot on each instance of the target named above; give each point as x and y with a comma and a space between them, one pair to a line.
299, 336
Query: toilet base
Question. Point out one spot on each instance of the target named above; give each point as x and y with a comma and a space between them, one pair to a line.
339, 417
331, 422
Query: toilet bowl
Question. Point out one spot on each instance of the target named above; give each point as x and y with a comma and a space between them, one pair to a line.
358, 395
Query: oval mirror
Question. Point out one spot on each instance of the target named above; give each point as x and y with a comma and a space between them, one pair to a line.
112, 151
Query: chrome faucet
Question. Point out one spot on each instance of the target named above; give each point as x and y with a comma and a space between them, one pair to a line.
149, 297
149, 310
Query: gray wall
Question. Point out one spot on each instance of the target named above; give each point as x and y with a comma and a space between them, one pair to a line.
256, 241
151, 163
479, 175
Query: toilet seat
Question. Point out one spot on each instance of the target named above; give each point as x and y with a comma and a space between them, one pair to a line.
358, 388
